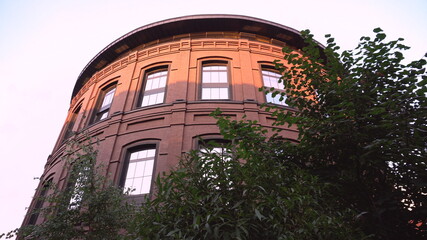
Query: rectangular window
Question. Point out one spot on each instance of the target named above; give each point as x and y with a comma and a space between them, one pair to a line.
271, 79
215, 83
139, 171
155, 87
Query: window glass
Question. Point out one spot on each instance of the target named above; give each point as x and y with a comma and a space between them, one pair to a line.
107, 96
140, 171
77, 192
215, 84
108, 99
103, 115
271, 79
211, 150
217, 147
155, 87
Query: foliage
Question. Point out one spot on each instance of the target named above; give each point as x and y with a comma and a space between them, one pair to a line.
250, 191
362, 119
90, 207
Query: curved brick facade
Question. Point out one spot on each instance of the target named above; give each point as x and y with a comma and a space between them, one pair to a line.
170, 125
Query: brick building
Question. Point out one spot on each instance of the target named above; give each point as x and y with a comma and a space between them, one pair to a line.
148, 94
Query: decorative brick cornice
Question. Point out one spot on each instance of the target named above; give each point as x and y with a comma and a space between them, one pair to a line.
172, 47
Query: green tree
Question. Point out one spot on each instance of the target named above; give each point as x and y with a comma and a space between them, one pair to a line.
247, 191
362, 120
91, 207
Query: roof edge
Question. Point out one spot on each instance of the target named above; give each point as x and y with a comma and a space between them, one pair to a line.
234, 22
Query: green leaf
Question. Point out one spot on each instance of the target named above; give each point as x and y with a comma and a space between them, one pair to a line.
377, 30
380, 36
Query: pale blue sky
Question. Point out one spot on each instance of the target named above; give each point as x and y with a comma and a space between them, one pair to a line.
45, 44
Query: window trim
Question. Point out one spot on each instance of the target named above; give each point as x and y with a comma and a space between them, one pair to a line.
142, 85
99, 110
72, 121
215, 62
123, 167
271, 69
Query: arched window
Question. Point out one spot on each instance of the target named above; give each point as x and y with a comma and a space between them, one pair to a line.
138, 169
271, 79
154, 87
216, 146
216, 159
71, 123
105, 100
40, 202
215, 82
